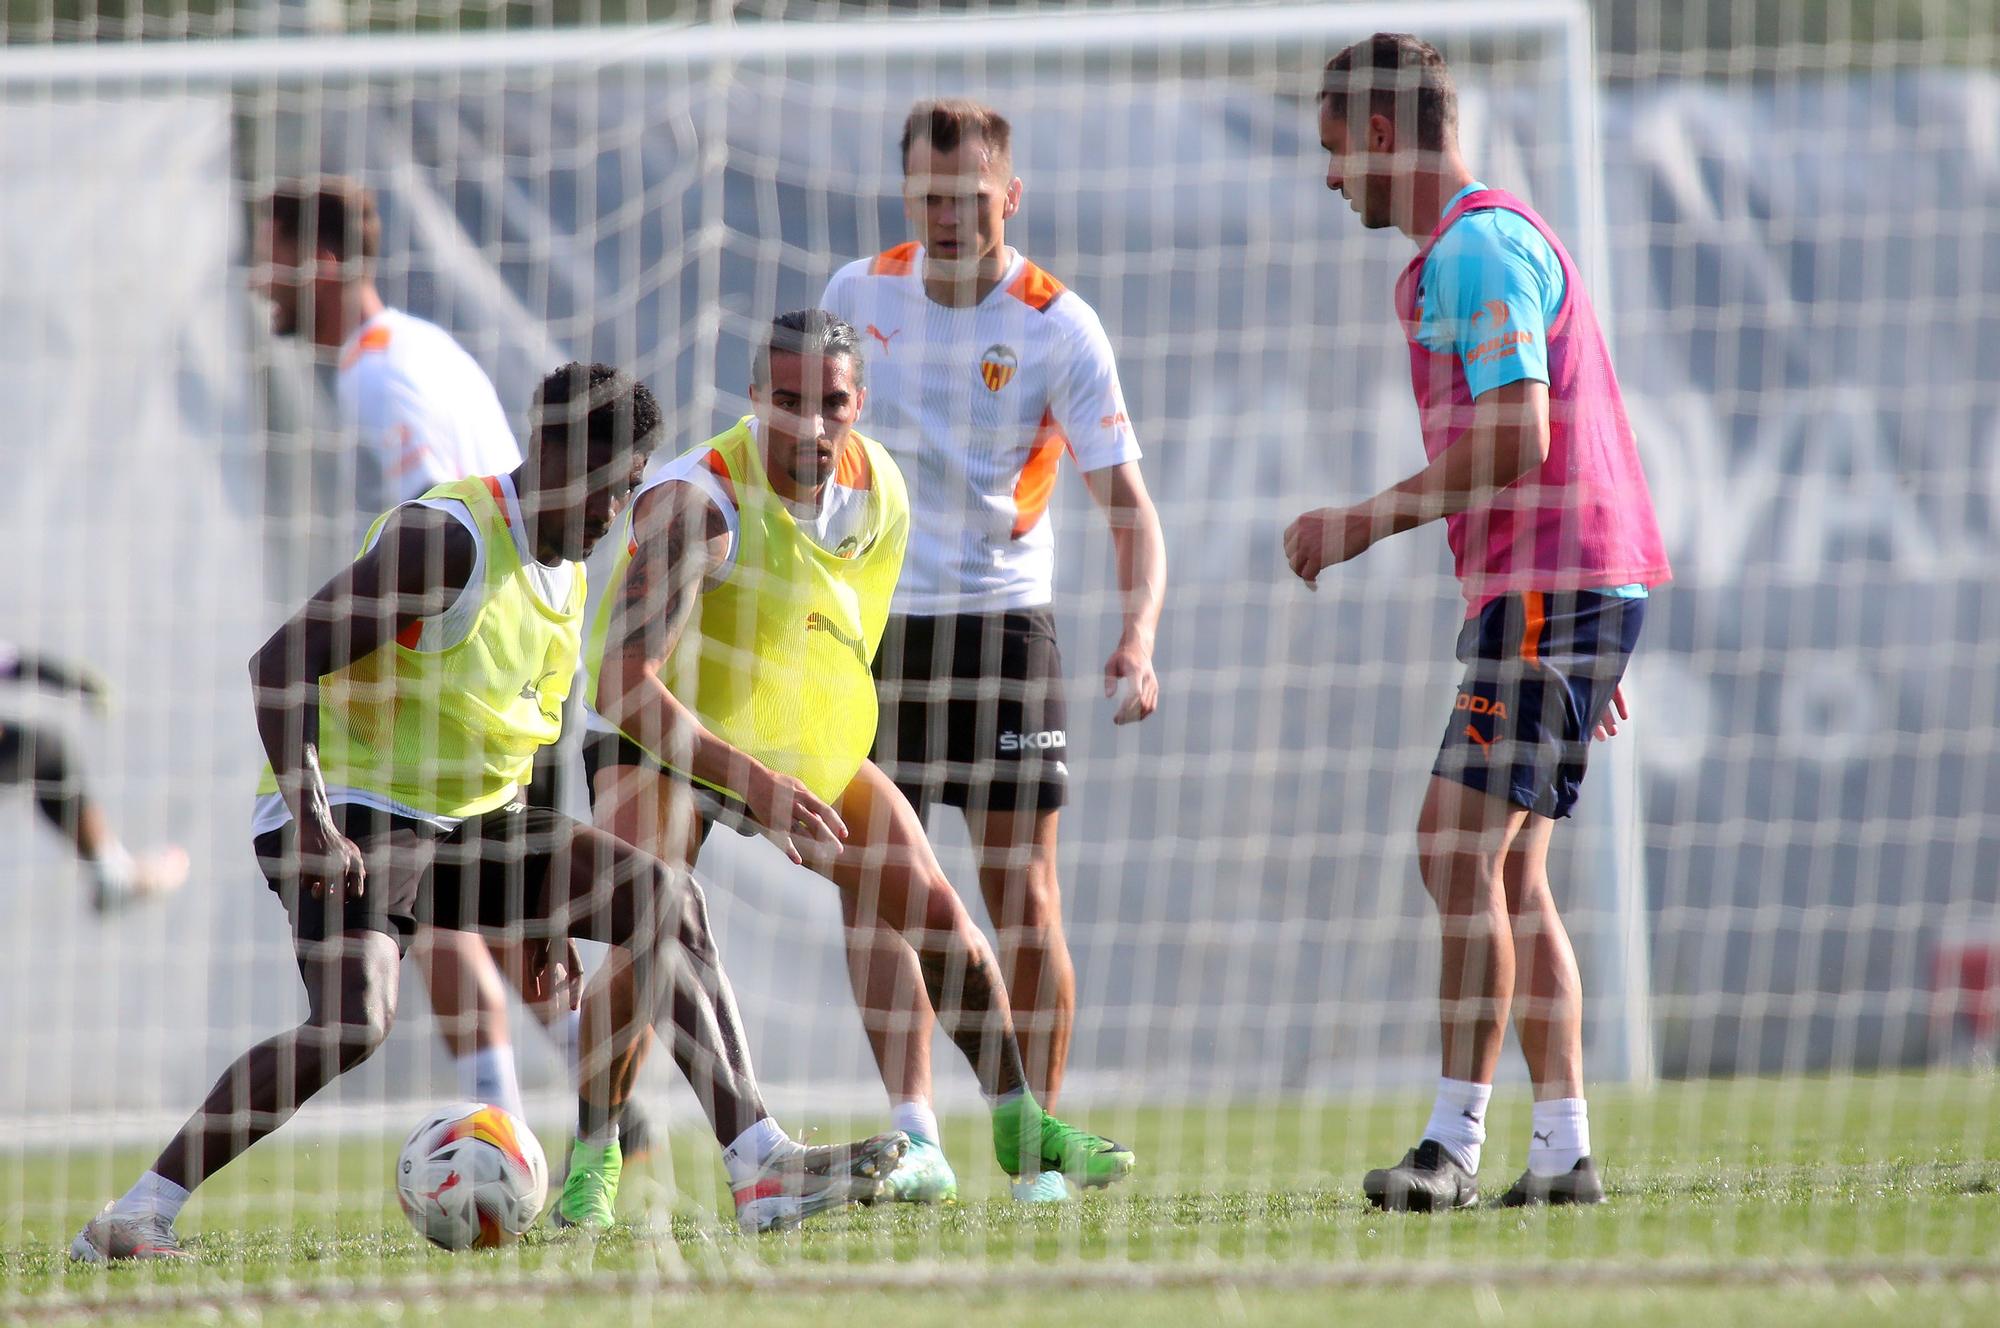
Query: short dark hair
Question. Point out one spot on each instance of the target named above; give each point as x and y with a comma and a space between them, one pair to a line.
947, 122
339, 212
1402, 78
612, 406
805, 332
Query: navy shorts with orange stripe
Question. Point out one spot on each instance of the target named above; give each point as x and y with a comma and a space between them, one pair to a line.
1540, 668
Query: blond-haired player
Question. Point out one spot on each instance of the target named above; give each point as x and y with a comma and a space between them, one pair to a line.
985, 369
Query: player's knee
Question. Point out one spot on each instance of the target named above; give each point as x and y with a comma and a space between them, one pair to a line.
363, 1026
1461, 882
1039, 905
656, 902
690, 912
938, 907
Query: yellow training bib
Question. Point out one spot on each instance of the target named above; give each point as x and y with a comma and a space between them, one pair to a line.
776, 659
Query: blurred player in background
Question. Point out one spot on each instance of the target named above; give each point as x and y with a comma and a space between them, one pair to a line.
401, 707
40, 757
984, 369
1536, 474
731, 661
423, 413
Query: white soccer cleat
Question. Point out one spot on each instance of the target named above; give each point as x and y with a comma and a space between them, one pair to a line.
156, 872
1047, 1188
798, 1181
116, 1237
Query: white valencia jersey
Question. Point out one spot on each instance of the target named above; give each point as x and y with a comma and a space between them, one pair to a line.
977, 406
423, 409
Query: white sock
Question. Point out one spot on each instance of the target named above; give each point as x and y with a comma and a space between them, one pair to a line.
744, 1158
113, 867
153, 1193
916, 1119
487, 1075
567, 1031
1458, 1120
600, 1138
1561, 1136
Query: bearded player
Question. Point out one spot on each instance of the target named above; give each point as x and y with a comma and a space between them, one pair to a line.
1535, 472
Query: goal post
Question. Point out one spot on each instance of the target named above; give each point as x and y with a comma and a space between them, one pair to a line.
1244, 903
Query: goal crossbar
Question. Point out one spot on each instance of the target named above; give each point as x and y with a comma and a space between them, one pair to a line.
262, 60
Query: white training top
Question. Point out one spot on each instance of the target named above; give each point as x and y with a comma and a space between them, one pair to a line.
424, 410
977, 406
441, 631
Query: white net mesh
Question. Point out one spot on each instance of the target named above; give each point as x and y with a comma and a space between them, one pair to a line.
1785, 870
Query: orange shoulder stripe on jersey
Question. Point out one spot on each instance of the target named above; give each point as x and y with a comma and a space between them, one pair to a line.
1037, 483
1035, 288
375, 338
410, 635
499, 499
850, 468
720, 469
896, 262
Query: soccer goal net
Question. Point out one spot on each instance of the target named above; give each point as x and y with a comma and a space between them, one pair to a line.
1784, 868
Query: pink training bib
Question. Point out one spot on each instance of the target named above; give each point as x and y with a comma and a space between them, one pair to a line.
1584, 519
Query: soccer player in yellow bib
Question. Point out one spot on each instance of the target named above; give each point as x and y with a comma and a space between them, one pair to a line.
401, 708
731, 669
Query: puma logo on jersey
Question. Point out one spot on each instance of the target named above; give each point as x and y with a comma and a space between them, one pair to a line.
819, 622
884, 338
532, 691
1046, 740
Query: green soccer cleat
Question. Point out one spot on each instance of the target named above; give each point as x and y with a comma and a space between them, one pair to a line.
589, 1195
1086, 1159
923, 1176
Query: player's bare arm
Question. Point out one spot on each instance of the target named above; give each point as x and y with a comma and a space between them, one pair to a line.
683, 540
417, 568
1140, 553
1509, 438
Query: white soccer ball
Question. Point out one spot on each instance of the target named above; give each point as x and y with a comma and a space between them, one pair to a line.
471, 1176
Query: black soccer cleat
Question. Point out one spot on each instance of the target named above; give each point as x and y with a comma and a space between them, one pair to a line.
1579, 1185
1427, 1180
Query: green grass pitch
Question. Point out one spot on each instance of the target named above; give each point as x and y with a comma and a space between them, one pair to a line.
1754, 1202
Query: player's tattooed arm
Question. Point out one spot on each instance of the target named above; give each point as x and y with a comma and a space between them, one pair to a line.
417, 567
682, 542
